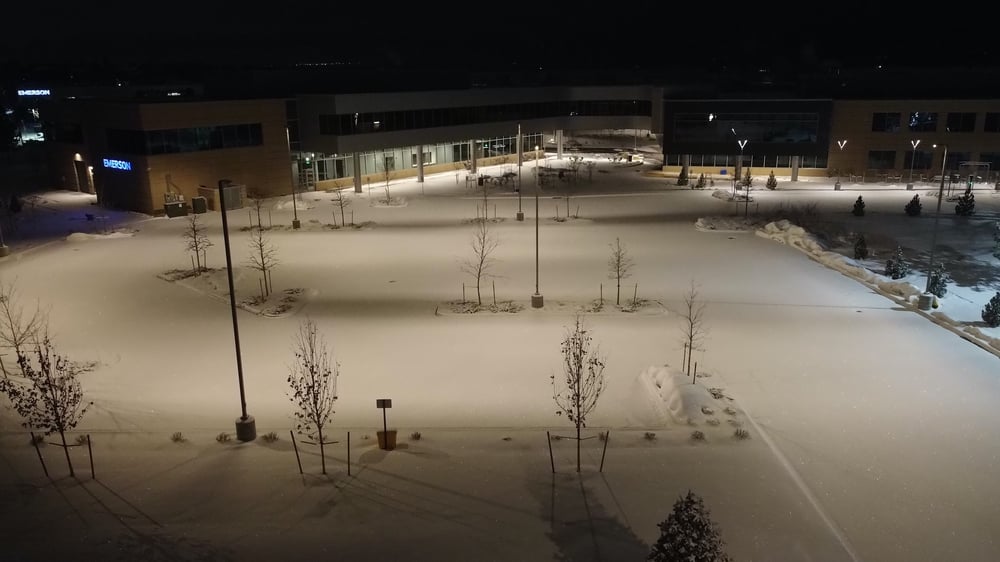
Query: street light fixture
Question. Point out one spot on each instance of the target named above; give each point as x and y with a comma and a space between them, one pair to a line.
841, 144
913, 156
246, 426
536, 299
746, 196
925, 301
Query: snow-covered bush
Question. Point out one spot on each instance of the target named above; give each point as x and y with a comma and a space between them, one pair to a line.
860, 248
914, 207
701, 182
772, 183
688, 534
682, 178
966, 205
895, 267
697, 435
938, 283
996, 240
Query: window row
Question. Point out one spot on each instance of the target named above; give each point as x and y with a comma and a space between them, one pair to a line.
754, 127
384, 121
192, 139
750, 160
924, 160
927, 122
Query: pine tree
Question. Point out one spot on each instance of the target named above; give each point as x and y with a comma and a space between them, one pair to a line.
772, 182
966, 204
991, 312
747, 179
859, 207
895, 267
938, 283
914, 207
701, 182
861, 248
689, 534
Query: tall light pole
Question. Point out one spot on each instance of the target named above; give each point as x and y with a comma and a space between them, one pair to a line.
841, 144
295, 211
913, 156
520, 160
937, 216
246, 426
536, 299
743, 144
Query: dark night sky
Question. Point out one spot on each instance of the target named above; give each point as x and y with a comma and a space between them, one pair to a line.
636, 34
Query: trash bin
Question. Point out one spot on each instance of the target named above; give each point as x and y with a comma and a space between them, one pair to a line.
199, 205
480, 180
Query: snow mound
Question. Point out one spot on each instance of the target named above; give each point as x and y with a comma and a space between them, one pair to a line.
80, 236
673, 397
724, 224
301, 204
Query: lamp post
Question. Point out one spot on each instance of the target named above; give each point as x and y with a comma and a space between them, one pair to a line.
841, 144
743, 144
913, 156
536, 299
925, 302
246, 426
520, 159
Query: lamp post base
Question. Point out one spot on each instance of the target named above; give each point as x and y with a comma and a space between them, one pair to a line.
537, 301
296, 224
836, 186
4, 250
909, 186
246, 429
520, 215
924, 301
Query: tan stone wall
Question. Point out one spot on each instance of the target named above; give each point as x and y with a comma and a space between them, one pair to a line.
376, 179
265, 170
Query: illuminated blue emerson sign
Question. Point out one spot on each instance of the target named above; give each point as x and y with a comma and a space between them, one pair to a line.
36, 92
118, 164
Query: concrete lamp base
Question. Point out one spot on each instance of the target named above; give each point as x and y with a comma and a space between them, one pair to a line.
924, 301
537, 301
836, 186
296, 224
246, 429
520, 215
909, 187
4, 250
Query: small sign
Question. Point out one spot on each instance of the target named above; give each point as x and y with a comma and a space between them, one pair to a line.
41, 92
383, 403
722, 172
118, 164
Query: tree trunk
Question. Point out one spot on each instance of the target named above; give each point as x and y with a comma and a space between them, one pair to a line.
342, 215
66, 452
479, 297
618, 296
322, 456
578, 446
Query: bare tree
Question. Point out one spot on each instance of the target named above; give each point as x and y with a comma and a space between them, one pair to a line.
48, 394
258, 207
385, 171
197, 242
693, 328
620, 266
578, 390
484, 243
18, 329
341, 202
313, 383
263, 257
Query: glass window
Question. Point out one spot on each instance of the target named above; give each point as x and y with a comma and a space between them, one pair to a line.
189, 140
961, 122
923, 121
242, 135
922, 160
155, 140
885, 122
783, 161
992, 123
881, 159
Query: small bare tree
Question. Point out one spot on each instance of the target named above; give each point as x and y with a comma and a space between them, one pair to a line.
313, 383
263, 258
342, 203
620, 266
484, 243
19, 329
258, 206
582, 383
693, 327
197, 242
47, 394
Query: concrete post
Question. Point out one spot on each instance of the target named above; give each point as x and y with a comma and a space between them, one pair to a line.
559, 144
520, 149
795, 168
420, 163
472, 154
686, 165
356, 160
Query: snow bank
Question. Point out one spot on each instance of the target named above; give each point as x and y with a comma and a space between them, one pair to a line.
673, 397
80, 236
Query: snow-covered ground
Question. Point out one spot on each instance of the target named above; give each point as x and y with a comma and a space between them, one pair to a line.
870, 423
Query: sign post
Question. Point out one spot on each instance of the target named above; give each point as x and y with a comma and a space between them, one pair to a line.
387, 440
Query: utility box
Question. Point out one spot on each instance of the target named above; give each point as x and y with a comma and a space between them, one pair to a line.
175, 209
199, 205
235, 194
